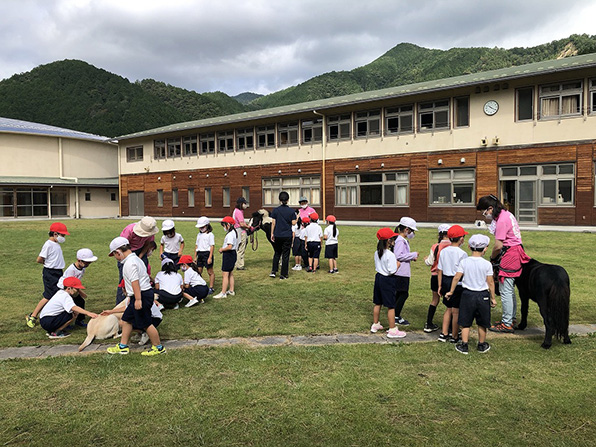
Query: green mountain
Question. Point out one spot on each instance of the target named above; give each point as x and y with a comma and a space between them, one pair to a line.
246, 97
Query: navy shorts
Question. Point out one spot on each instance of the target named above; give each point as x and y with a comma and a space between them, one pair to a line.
155, 321
174, 257
199, 292
50, 281
384, 290
140, 319
304, 251
228, 260
169, 300
331, 251
434, 283
474, 305
202, 257
297, 247
54, 322
454, 301
314, 249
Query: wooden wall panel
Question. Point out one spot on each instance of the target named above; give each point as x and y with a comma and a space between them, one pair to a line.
536, 155
487, 174
419, 187
452, 160
584, 196
556, 216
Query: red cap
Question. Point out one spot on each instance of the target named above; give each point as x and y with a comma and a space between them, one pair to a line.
59, 227
185, 259
73, 282
385, 233
456, 231
330, 218
313, 216
306, 219
228, 219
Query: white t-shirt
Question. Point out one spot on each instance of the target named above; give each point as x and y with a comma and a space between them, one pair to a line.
73, 271
313, 233
52, 254
331, 240
295, 230
450, 259
475, 270
231, 238
169, 282
60, 302
155, 312
301, 232
205, 241
133, 269
387, 265
172, 244
192, 278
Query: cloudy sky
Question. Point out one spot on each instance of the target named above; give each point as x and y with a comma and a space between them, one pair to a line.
264, 45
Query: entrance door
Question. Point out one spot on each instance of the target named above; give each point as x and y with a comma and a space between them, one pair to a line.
519, 197
136, 203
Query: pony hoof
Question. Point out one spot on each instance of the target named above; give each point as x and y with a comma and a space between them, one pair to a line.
567, 341
545, 346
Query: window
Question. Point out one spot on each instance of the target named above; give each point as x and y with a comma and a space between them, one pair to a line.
160, 198
226, 196
225, 141
433, 115
175, 197
287, 133
557, 100
245, 139
159, 149
32, 202
312, 131
266, 136
555, 181
134, 153
190, 145
87, 197
59, 201
452, 187
207, 143
296, 187
113, 196
338, 127
208, 202
174, 147
462, 111
191, 197
6, 202
592, 96
525, 103
399, 120
367, 123
246, 193
372, 188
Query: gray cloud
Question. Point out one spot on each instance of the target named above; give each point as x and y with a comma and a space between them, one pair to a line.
259, 45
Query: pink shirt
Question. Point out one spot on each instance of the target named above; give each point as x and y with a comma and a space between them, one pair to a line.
507, 229
135, 241
306, 212
238, 216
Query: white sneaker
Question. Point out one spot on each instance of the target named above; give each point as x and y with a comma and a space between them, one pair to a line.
231, 293
376, 327
144, 338
395, 333
176, 307
219, 295
297, 267
192, 302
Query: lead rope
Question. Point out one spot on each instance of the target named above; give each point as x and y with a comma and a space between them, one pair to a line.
254, 241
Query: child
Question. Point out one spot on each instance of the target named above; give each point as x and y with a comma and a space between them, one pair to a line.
84, 258
228, 260
447, 266
296, 243
313, 237
168, 285
172, 243
138, 312
478, 286
302, 234
53, 262
406, 231
195, 286
432, 260
61, 310
385, 282
330, 236
204, 249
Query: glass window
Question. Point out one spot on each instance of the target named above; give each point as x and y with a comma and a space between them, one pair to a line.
207, 143
174, 147
338, 127
368, 124
399, 120
226, 196
246, 193
208, 202
564, 99
296, 187
159, 149
191, 197
134, 153
160, 197
32, 202
6, 202
266, 136
245, 139
175, 197
190, 145
225, 141
433, 115
287, 133
462, 111
312, 131
372, 188
557, 184
525, 103
592, 96
59, 201
452, 186
87, 197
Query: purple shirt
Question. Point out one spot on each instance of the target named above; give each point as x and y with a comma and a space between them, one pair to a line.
136, 242
401, 250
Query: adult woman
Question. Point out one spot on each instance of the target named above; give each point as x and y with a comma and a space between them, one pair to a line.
241, 226
508, 255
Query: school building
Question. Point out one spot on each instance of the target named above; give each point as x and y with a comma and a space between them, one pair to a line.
50, 172
427, 150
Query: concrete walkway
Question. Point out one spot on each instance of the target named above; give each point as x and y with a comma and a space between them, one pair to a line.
37, 352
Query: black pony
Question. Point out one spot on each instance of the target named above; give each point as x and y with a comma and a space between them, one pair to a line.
261, 221
548, 285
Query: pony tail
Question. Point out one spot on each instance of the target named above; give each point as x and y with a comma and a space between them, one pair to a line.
381, 247
334, 230
194, 267
558, 307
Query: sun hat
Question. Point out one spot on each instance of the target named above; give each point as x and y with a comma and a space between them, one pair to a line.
202, 221
408, 222
185, 259
479, 241
444, 228
313, 216
73, 282
59, 227
165, 261
385, 233
86, 255
302, 199
228, 219
116, 243
330, 218
167, 224
145, 227
456, 231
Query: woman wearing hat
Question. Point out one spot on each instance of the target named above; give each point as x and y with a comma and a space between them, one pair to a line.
305, 209
241, 226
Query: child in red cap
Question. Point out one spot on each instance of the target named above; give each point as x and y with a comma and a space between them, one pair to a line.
384, 292
228, 258
313, 237
195, 287
330, 235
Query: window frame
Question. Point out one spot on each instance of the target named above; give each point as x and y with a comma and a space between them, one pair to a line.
190, 145
191, 197
541, 178
315, 127
453, 182
245, 133
134, 153
225, 141
208, 197
295, 186
518, 103
398, 112
432, 108
175, 198
174, 147
345, 183
362, 124
546, 92
207, 143
592, 96
267, 132
246, 194
160, 198
457, 102
159, 149
225, 196
339, 121
289, 130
